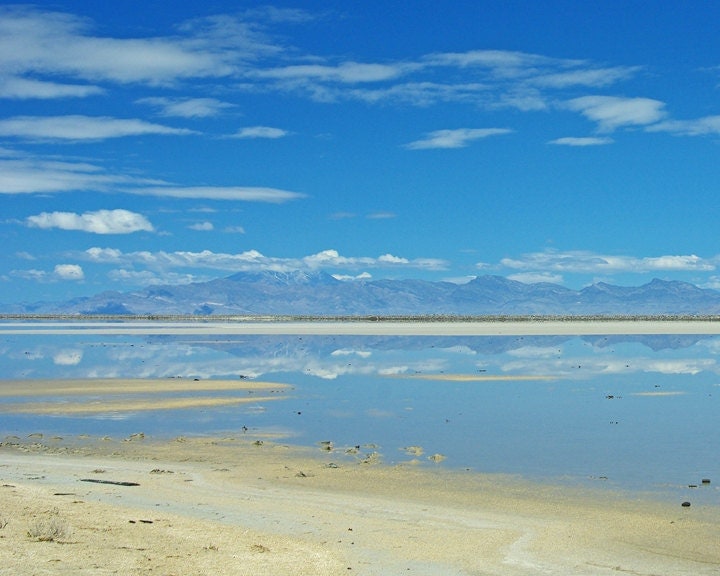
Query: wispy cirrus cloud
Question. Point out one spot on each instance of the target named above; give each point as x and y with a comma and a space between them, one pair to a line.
99, 222
240, 193
487, 78
698, 127
38, 175
16, 88
36, 42
78, 127
187, 107
457, 138
253, 132
582, 141
579, 261
33, 175
612, 112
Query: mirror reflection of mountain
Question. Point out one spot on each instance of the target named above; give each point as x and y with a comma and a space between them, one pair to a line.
321, 346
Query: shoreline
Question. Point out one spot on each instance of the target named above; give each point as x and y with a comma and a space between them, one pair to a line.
510, 327
229, 506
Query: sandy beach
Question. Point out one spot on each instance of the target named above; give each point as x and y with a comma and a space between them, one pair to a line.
245, 503
244, 506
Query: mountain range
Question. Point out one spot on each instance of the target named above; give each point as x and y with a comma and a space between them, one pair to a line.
319, 293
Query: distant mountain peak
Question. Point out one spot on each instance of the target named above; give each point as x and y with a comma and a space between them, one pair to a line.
319, 293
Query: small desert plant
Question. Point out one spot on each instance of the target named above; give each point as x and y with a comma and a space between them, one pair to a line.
49, 530
3, 522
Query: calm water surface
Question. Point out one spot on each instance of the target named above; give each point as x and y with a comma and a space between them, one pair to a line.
633, 412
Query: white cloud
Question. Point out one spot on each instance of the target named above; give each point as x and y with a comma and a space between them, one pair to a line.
458, 138
202, 226
380, 215
582, 141
69, 272
594, 77
589, 262
350, 277
68, 358
535, 277
99, 222
77, 127
150, 278
35, 175
35, 42
698, 127
346, 72
61, 272
252, 260
260, 132
188, 107
245, 194
611, 112
234, 230
26, 88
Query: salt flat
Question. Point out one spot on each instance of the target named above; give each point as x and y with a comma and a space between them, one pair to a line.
231, 506
368, 328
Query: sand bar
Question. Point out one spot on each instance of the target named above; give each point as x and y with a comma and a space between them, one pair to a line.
365, 328
94, 386
229, 506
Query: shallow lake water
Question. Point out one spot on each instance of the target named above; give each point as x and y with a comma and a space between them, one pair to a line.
630, 412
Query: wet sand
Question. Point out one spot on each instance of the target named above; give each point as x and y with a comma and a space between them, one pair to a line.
249, 506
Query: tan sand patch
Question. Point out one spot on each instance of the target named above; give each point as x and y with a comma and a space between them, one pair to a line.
94, 386
227, 506
99, 407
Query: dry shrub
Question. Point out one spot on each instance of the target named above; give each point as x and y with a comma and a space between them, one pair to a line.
49, 530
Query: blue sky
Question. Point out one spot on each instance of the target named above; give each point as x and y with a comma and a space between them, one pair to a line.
166, 142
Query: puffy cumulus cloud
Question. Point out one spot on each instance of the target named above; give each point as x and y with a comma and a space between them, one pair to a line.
267, 132
252, 260
187, 107
99, 222
612, 112
68, 272
79, 127
582, 141
60, 273
457, 138
590, 262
